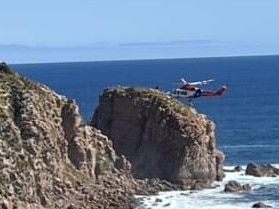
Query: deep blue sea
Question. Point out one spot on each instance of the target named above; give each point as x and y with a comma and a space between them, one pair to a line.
246, 116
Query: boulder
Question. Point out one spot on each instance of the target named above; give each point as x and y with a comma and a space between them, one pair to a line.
233, 186
260, 205
237, 168
261, 170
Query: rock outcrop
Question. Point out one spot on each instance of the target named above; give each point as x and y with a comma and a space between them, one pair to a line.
161, 137
237, 168
261, 205
233, 186
261, 170
49, 158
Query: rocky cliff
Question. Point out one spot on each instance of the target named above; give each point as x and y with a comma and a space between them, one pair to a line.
49, 158
161, 137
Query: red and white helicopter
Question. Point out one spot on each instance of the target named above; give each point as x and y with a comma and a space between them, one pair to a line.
190, 91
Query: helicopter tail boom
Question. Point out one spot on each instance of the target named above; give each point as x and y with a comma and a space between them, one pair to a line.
214, 93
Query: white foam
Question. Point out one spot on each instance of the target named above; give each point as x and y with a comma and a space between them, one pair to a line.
202, 200
213, 198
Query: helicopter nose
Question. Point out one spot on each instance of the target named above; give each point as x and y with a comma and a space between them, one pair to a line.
224, 87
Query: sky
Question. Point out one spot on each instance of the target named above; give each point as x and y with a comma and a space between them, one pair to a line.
88, 30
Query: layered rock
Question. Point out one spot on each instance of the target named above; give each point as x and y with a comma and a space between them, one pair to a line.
161, 137
49, 158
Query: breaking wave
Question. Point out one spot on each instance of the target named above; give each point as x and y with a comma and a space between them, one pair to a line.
264, 189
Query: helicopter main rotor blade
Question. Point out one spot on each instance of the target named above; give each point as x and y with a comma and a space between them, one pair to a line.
201, 82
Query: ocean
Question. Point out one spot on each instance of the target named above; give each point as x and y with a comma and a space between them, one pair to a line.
246, 116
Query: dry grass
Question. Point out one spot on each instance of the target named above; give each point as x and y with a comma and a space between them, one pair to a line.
149, 95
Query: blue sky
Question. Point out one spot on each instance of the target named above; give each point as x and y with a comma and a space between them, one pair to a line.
81, 30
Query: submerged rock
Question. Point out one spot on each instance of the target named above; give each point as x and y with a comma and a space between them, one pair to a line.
160, 136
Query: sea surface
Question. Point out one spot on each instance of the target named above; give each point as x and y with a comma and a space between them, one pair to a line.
246, 116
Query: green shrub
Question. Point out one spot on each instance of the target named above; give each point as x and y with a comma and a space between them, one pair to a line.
4, 68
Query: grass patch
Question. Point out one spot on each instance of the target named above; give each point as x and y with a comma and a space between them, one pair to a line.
74, 174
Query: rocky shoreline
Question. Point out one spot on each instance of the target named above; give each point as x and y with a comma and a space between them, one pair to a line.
242, 187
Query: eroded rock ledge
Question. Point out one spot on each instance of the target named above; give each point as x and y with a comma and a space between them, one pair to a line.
161, 137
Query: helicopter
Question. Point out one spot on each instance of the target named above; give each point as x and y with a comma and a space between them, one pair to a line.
190, 91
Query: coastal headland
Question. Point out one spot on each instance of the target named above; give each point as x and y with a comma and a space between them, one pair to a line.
138, 141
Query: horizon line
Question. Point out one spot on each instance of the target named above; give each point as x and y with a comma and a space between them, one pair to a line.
146, 59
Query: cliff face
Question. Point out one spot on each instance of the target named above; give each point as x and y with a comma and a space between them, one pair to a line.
49, 158
161, 137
